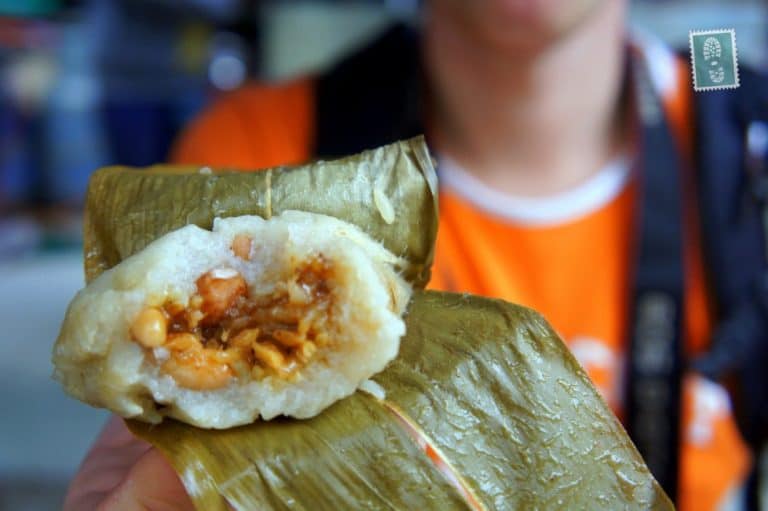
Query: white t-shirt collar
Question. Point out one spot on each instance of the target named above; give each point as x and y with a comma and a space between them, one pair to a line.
589, 196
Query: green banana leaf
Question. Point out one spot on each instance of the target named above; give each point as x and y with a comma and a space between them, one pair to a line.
485, 408
389, 192
491, 387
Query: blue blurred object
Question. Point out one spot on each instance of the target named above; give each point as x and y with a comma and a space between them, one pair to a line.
148, 89
140, 131
17, 173
19, 236
73, 133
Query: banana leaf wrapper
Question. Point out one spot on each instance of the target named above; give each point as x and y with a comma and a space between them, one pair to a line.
485, 408
389, 192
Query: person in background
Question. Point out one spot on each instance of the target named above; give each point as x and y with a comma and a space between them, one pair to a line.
533, 111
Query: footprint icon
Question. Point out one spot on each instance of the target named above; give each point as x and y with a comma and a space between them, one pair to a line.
712, 51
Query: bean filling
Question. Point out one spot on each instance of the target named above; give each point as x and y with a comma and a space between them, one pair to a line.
223, 332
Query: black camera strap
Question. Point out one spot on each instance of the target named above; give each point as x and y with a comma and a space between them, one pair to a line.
655, 361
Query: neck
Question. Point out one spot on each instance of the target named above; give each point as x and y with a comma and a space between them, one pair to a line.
530, 121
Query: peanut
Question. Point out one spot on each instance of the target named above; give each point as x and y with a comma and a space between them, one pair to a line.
241, 246
219, 293
150, 328
195, 367
198, 371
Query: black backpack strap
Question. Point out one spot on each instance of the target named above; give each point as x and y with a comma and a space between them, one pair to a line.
732, 203
372, 97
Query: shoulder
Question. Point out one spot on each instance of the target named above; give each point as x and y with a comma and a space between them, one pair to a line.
743, 104
262, 125
258, 125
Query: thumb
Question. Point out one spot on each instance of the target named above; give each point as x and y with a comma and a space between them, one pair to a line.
151, 485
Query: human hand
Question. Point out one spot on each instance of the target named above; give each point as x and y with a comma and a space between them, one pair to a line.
122, 472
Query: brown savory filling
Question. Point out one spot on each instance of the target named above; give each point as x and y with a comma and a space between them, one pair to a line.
223, 332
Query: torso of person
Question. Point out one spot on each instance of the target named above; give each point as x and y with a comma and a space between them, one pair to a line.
569, 257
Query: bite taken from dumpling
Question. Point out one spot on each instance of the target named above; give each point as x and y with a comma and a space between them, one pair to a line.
255, 318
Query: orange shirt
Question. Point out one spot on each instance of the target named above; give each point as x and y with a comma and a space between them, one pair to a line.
574, 271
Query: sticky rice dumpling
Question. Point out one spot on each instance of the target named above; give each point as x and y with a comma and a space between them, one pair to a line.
483, 407
254, 318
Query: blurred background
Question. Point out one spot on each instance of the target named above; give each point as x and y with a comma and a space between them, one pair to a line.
90, 83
